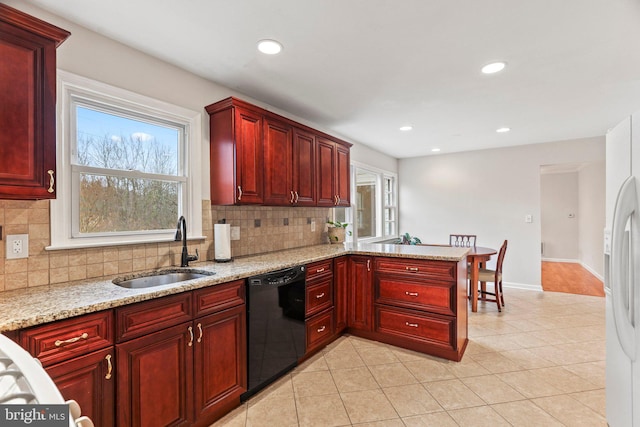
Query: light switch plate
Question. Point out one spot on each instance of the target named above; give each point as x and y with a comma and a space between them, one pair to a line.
17, 246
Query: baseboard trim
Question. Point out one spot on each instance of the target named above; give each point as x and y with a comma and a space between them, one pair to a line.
525, 286
573, 261
592, 271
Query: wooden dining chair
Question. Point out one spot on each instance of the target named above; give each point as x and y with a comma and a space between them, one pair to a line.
495, 276
463, 240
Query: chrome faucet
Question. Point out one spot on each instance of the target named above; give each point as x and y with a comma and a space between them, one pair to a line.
181, 234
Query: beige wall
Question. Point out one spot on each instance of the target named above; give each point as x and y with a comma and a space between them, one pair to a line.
558, 199
488, 193
591, 223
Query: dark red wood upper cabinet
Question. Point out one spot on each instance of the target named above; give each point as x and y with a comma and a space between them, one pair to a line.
304, 167
326, 162
28, 106
259, 157
334, 171
343, 174
278, 141
236, 153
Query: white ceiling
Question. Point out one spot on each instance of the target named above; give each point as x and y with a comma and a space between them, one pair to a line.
363, 68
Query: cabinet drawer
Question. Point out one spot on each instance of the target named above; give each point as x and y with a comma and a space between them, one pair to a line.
218, 297
424, 268
429, 295
65, 339
319, 329
431, 329
145, 317
319, 269
319, 296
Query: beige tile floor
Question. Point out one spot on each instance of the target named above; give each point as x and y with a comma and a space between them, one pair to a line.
541, 362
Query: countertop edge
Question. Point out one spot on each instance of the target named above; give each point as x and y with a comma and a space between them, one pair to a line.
28, 307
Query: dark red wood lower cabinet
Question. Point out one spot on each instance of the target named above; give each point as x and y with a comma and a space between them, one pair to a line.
220, 373
89, 380
155, 379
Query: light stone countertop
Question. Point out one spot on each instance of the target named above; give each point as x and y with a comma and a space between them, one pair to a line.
33, 306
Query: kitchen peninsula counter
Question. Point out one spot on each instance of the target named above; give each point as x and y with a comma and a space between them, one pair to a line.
33, 306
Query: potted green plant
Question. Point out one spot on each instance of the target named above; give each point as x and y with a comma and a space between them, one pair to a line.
407, 239
337, 232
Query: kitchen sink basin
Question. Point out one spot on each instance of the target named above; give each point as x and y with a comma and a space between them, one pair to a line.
160, 278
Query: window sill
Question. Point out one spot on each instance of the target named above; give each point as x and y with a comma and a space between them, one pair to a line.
87, 245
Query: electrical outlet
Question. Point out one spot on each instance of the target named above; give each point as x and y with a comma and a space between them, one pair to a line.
17, 246
235, 233
313, 225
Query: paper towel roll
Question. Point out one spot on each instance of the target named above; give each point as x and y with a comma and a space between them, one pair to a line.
222, 242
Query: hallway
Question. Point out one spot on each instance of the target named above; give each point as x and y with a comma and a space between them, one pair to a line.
570, 278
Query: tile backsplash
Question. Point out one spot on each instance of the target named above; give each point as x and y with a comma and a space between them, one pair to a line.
262, 229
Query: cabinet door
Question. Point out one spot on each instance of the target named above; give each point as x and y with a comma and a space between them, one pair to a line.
220, 362
359, 295
340, 278
249, 156
304, 168
343, 174
89, 380
155, 379
28, 106
326, 161
278, 186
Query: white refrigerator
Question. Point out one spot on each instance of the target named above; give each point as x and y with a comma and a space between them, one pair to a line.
622, 273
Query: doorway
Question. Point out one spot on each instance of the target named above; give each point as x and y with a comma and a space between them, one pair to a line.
572, 217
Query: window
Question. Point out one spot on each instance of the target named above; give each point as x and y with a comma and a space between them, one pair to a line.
373, 211
128, 165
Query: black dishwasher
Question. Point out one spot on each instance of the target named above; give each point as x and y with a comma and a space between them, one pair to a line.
276, 330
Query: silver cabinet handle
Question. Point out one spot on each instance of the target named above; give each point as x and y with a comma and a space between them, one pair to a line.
109, 367
416, 269
320, 270
239, 193
292, 198
296, 193
199, 332
322, 329
60, 343
368, 265
320, 295
52, 181
339, 199
411, 294
190, 336
411, 325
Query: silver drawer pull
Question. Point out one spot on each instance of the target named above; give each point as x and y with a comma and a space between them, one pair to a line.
322, 329
411, 325
411, 294
320, 295
320, 270
412, 269
60, 343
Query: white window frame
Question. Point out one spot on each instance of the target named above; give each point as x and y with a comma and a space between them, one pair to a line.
64, 219
381, 174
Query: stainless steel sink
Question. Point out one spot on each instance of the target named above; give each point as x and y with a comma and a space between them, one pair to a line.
160, 278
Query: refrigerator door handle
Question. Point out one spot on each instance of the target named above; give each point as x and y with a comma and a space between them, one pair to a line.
626, 206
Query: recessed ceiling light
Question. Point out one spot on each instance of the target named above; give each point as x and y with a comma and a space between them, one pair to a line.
435, 150
503, 130
494, 67
269, 47
406, 128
